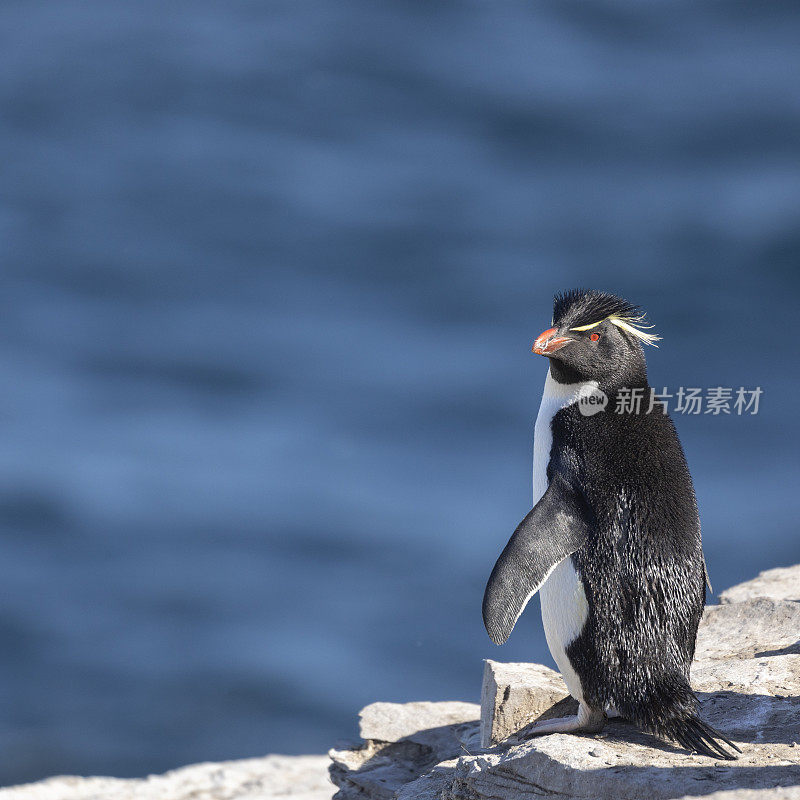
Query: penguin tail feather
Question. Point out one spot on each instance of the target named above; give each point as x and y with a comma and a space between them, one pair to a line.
694, 734
667, 708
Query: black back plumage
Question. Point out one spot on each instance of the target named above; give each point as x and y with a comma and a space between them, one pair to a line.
642, 569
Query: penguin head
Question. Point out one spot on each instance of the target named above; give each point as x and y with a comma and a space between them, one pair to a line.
595, 336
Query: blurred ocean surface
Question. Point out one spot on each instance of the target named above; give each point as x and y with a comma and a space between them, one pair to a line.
271, 276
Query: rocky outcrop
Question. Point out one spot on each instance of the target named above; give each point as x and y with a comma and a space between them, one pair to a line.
747, 675
406, 741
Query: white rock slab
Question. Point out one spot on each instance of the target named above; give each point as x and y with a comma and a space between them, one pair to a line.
403, 743
513, 695
290, 777
782, 583
390, 722
759, 626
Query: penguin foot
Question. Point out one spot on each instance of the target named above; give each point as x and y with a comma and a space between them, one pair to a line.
587, 720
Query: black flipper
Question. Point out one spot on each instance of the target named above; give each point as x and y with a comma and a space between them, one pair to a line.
556, 527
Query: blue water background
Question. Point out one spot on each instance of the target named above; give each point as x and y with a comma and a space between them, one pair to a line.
271, 274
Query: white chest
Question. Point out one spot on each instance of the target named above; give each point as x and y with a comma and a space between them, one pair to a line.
564, 606
564, 612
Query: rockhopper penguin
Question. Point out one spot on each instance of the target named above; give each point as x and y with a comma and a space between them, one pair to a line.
613, 541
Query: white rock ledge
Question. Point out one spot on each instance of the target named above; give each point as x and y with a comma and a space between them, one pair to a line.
290, 777
747, 674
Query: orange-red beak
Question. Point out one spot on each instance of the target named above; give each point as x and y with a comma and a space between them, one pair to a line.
548, 342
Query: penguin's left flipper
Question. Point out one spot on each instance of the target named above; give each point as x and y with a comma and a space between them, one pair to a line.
556, 527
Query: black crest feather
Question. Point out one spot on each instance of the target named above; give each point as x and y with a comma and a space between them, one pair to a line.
578, 307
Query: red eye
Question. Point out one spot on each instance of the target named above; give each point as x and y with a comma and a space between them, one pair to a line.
594, 337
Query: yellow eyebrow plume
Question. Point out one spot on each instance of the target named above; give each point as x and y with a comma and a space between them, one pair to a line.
632, 325
587, 327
